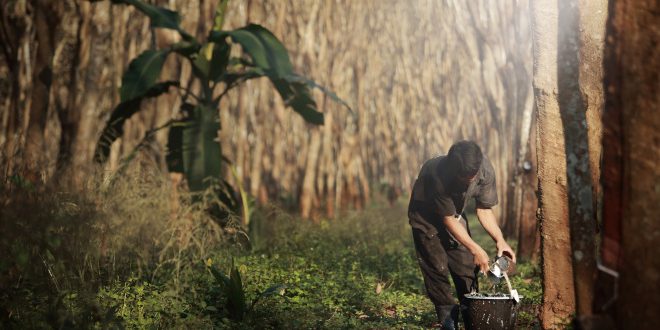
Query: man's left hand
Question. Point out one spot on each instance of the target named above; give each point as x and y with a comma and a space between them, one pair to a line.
503, 248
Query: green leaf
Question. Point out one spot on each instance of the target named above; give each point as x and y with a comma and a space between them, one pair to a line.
219, 61
200, 62
114, 127
228, 197
186, 48
211, 61
236, 303
201, 151
235, 77
219, 18
272, 290
159, 17
297, 95
312, 84
266, 51
221, 278
142, 73
269, 55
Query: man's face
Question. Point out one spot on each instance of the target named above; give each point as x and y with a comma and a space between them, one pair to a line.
466, 179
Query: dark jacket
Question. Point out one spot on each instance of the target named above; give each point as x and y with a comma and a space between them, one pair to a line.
436, 194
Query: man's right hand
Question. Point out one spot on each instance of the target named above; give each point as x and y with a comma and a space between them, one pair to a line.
481, 259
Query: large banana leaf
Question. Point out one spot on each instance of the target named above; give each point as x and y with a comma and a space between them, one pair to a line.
269, 55
114, 127
138, 82
313, 84
142, 73
159, 17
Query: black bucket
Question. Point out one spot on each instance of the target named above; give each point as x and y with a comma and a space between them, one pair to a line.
490, 312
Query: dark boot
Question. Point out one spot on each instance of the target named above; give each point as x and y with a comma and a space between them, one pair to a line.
466, 317
447, 316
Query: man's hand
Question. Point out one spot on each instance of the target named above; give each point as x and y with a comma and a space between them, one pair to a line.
503, 248
487, 219
481, 259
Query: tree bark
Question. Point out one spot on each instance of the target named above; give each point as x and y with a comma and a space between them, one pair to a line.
573, 116
308, 195
16, 37
593, 17
46, 21
633, 100
523, 194
558, 282
528, 235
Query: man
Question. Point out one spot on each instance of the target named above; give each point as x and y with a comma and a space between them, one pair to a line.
440, 230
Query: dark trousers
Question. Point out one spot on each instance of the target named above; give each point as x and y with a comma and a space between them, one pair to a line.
439, 256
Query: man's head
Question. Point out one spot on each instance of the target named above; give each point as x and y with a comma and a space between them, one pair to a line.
465, 160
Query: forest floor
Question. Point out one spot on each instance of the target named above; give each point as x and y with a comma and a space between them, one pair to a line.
130, 260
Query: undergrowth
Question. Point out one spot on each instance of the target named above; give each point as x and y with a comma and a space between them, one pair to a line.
132, 255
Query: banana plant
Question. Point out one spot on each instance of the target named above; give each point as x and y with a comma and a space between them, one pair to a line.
193, 147
234, 292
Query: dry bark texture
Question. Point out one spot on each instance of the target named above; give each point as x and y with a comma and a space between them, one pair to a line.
418, 74
592, 20
568, 53
529, 239
558, 285
633, 160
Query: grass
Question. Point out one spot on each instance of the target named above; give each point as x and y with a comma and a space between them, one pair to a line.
125, 257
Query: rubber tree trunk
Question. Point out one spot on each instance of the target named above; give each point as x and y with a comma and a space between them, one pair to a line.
633, 100
520, 173
572, 105
593, 16
565, 158
558, 282
528, 230
46, 20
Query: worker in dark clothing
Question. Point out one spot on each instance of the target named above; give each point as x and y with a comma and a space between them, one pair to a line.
440, 230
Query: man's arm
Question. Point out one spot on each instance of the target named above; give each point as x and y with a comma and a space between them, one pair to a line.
456, 228
487, 219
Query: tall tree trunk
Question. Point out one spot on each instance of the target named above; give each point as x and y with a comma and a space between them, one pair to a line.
46, 21
579, 187
593, 16
519, 199
16, 40
528, 235
633, 100
558, 282
65, 69
308, 195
